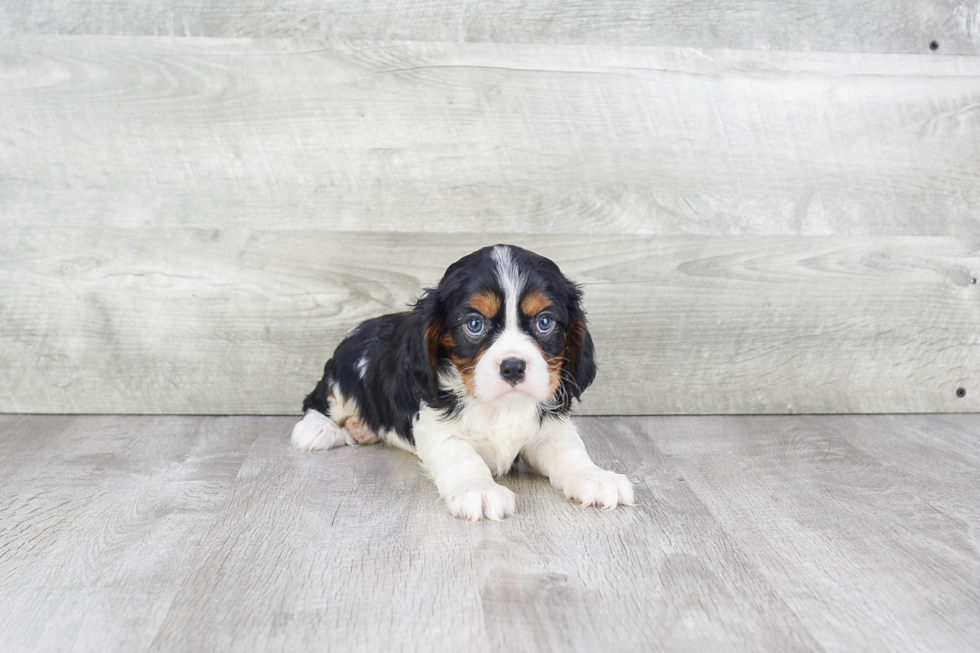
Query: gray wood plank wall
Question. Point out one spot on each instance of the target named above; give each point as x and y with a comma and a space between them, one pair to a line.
864, 26
773, 210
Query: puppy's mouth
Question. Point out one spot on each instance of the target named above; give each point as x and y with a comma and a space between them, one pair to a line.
511, 391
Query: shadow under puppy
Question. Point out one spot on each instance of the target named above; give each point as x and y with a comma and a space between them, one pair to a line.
481, 370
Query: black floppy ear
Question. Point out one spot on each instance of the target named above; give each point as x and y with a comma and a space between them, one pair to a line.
407, 371
579, 350
424, 344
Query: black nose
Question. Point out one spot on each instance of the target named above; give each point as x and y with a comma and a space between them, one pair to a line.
512, 370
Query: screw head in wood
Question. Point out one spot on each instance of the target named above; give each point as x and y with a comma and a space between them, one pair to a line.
934, 46
960, 392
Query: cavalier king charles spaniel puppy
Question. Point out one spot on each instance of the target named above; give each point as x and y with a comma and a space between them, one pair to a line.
482, 370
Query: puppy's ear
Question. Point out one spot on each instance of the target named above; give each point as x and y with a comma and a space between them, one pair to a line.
424, 343
580, 370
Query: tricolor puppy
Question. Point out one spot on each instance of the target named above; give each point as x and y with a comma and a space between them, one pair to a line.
481, 370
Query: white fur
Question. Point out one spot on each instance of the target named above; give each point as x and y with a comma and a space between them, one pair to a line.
481, 500
317, 431
396, 441
462, 454
487, 382
597, 487
495, 430
559, 453
512, 343
361, 367
511, 281
462, 477
340, 407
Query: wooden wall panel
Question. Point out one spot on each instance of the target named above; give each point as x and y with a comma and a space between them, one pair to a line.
190, 224
837, 25
135, 132
241, 321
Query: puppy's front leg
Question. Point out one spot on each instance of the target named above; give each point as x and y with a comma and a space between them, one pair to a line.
560, 454
462, 477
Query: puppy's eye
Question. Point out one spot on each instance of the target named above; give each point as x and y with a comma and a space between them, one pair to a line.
475, 326
545, 324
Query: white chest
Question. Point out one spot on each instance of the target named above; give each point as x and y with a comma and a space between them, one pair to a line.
500, 429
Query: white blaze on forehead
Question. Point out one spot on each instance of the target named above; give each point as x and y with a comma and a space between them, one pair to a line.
512, 342
511, 281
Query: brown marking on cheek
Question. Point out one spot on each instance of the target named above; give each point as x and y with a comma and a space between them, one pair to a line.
486, 303
467, 368
554, 374
555, 365
534, 302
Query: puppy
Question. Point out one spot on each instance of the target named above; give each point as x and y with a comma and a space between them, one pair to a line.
482, 369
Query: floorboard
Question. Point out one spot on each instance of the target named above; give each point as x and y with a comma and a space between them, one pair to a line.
750, 533
867, 526
99, 519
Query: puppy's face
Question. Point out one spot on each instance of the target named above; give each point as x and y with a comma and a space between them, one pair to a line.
512, 323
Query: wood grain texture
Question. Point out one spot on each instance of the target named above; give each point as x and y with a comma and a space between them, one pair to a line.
99, 522
867, 26
402, 573
842, 496
241, 321
498, 138
750, 533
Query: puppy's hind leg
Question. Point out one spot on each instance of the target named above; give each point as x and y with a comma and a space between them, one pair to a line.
346, 414
339, 426
317, 431
359, 431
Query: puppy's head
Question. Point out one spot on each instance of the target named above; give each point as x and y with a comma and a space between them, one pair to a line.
509, 322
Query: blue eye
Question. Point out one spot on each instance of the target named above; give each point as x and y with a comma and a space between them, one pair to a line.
545, 324
475, 326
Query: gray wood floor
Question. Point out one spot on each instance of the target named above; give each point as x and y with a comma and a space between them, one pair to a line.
750, 533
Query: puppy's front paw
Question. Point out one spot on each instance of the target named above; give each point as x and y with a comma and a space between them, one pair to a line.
600, 488
481, 500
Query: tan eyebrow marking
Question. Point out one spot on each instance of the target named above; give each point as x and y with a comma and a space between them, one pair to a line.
534, 302
486, 302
